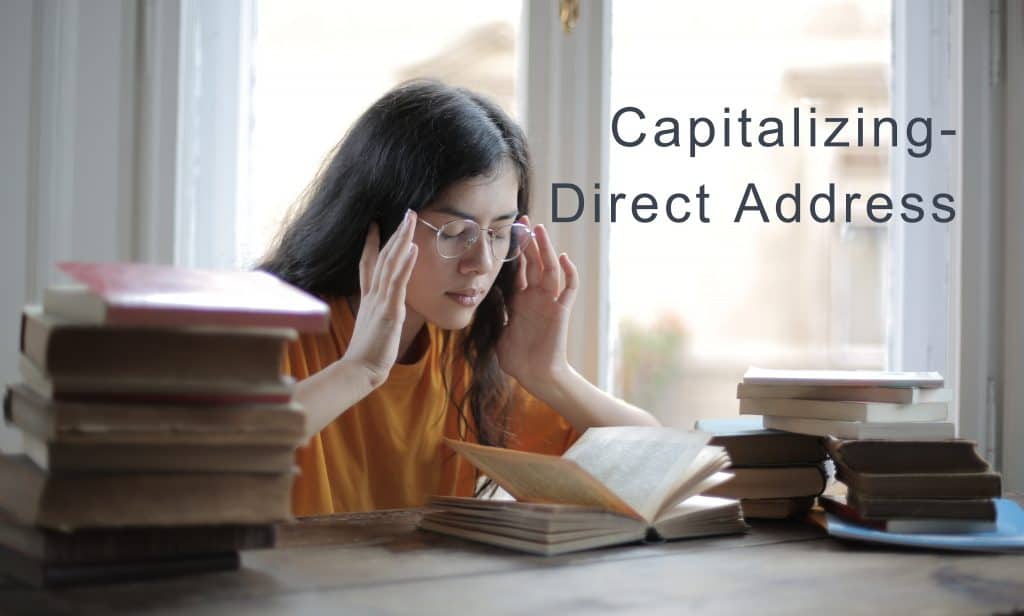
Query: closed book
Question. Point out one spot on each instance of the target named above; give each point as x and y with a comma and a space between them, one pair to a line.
842, 378
984, 484
845, 410
772, 482
907, 456
838, 506
139, 294
894, 395
614, 485
96, 545
194, 355
775, 508
903, 430
106, 457
152, 424
871, 507
164, 389
69, 501
42, 574
749, 444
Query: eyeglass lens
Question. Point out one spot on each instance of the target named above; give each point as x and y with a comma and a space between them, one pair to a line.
455, 237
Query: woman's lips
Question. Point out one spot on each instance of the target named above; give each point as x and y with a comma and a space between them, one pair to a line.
465, 298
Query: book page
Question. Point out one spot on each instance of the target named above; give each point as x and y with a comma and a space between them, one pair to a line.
537, 478
643, 466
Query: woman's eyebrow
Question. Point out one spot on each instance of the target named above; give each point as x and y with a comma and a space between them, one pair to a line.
445, 209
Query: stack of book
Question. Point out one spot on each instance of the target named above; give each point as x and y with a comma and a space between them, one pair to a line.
775, 474
905, 486
849, 404
158, 431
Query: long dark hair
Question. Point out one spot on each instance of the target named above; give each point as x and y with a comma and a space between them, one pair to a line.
409, 146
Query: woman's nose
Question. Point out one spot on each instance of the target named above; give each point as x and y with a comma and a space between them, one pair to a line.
479, 257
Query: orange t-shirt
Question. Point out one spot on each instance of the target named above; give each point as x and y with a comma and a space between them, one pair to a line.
387, 450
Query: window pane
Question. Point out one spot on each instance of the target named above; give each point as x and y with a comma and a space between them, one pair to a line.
695, 304
318, 64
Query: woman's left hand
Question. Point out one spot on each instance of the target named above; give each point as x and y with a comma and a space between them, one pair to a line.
532, 346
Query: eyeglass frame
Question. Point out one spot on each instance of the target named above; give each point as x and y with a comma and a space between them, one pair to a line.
486, 230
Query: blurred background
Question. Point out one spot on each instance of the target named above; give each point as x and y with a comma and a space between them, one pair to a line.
185, 131
691, 305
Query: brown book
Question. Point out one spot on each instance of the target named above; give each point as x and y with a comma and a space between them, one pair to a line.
936, 508
132, 458
772, 482
195, 355
69, 501
153, 424
749, 444
879, 456
97, 545
922, 485
775, 508
41, 574
837, 506
166, 390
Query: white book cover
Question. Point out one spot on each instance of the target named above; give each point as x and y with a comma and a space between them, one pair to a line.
862, 378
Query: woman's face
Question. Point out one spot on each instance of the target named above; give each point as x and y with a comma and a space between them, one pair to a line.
446, 292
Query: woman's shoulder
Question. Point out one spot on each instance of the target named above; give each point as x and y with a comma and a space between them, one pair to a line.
310, 353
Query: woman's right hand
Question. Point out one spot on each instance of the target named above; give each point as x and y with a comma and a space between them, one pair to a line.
383, 278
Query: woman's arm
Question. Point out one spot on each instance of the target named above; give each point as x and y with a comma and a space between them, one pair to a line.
329, 393
585, 405
532, 346
383, 278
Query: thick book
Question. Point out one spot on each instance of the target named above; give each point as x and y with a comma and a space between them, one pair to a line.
139, 294
838, 506
106, 457
616, 485
152, 424
194, 356
903, 456
1007, 537
42, 574
70, 501
846, 410
985, 484
114, 387
884, 507
96, 545
772, 482
894, 395
775, 508
748, 443
842, 378
896, 430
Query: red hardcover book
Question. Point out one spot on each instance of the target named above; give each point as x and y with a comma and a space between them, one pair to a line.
139, 294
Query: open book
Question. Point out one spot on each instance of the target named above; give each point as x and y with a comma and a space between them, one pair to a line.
615, 485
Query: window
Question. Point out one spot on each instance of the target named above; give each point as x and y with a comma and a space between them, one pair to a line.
693, 304
317, 65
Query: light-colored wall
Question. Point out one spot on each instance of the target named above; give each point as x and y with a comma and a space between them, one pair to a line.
67, 147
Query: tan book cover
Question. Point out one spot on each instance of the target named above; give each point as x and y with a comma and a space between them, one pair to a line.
70, 501
152, 424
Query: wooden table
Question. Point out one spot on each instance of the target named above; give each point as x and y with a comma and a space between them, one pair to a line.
379, 563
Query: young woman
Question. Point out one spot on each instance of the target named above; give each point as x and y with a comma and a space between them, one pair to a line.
449, 315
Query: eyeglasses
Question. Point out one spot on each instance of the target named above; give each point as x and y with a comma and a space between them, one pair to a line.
455, 237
